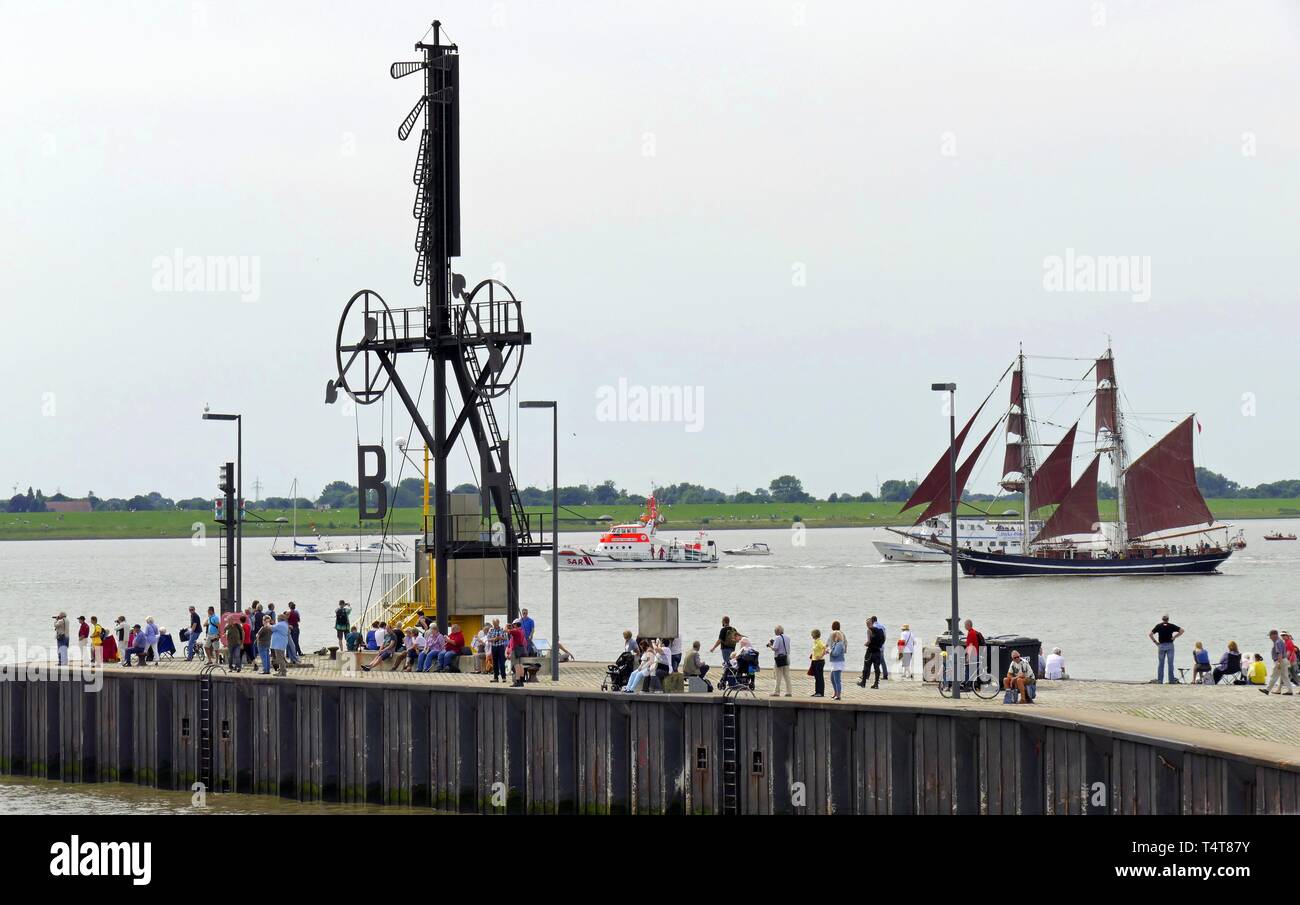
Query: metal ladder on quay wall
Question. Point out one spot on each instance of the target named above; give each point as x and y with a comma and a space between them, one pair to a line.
205, 725
730, 750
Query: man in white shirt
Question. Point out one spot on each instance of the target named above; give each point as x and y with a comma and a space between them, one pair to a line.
1055, 664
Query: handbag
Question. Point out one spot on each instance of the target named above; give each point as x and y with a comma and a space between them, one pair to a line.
811, 670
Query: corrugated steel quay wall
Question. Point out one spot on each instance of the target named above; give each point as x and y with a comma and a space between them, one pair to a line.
499, 750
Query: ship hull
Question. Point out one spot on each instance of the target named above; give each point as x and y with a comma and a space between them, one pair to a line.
582, 561
1007, 566
908, 552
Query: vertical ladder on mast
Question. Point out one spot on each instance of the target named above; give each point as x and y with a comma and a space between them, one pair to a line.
497, 445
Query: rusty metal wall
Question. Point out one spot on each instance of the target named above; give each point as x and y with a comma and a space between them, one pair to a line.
497, 750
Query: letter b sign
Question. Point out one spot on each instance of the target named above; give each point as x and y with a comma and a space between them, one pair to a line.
368, 482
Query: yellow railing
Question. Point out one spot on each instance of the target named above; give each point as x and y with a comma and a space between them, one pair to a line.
398, 607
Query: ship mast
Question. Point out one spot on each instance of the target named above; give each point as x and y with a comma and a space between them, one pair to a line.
1026, 458
1110, 422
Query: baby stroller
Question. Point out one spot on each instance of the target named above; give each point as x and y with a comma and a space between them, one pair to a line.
618, 672
743, 673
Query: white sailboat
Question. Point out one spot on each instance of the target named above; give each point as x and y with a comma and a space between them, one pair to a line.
301, 551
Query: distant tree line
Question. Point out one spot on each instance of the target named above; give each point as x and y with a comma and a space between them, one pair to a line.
409, 493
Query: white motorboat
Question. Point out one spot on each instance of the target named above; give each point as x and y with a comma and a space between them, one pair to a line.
927, 542
635, 546
756, 549
380, 551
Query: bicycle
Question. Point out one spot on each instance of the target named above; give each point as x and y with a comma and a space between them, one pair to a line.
978, 681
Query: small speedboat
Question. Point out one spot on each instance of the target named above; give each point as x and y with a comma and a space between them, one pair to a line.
379, 551
1278, 535
758, 549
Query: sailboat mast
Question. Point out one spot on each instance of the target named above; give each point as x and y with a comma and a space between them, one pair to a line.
1026, 467
1119, 464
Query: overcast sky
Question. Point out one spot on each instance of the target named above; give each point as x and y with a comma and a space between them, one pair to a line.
809, 210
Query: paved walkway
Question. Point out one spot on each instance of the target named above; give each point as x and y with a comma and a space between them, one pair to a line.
1238, 711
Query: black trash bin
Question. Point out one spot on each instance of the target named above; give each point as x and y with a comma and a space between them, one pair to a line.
1001, 646
998, 653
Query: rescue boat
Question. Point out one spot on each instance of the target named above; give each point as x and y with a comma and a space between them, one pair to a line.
636, 546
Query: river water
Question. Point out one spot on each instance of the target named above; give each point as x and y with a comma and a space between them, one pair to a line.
812, 578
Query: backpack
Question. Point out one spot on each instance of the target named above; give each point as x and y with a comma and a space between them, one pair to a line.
979, 638
732, 636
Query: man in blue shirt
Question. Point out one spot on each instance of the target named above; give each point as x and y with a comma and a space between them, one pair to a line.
1281, 676
280, 641
526, 623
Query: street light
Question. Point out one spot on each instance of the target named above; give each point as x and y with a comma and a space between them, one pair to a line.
555, 534
239, 500
951, 390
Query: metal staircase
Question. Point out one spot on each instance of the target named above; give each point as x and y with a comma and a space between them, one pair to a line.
398, 606
496, 445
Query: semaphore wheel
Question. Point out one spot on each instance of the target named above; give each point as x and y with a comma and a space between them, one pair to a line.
361, 374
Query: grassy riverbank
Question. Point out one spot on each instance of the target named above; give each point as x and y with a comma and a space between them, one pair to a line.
713, 516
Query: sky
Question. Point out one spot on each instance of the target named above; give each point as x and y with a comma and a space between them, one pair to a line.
795, 216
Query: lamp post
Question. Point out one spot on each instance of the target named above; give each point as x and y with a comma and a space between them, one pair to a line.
239, 500
555, 534
951, 390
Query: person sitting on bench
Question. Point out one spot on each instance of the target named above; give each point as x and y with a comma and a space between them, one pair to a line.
1020, 676
1229, 663
693, 665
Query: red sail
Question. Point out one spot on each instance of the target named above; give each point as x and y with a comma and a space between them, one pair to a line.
1105, 410
1106, 394
935, 485
1052, 480
944, 503
1160, 489
1016, 387
1077, 513
1016, 424
1105, 370
1011, 462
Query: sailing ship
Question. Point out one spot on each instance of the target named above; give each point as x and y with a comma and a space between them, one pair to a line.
635, 546
1155, 493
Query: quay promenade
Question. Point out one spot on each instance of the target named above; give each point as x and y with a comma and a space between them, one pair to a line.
1238, 711
457, 742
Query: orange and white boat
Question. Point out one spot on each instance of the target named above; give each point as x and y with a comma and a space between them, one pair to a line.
636, 546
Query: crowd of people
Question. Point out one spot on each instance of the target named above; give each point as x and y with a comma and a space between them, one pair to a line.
1280, 669
646, 662
262, 637
424, 648
256, 635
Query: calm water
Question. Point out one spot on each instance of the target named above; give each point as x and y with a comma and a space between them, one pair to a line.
813, 577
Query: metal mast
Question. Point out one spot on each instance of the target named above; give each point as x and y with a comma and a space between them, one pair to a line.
477, 335
1118, 459
1026, 451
